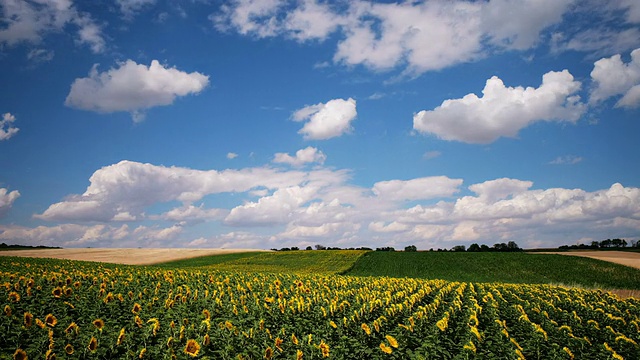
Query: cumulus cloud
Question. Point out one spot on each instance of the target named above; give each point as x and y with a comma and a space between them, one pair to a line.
122, 191
295, 207
303, 156
231, 155
421, 35
417, 189
272, 209
29, 21
566, 160
130, 7
612, 77
503, 111
133, 88
328, 120
6, 200
7, 130
40, 55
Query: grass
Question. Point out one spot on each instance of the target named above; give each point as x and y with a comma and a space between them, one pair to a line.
324, 262
498, 267
207, 260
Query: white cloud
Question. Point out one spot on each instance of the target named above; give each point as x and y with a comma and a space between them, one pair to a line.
612, 77
566, 160
231, 155
503, 111
191, 213
133, 88
7, 130
40, 55
130, 7
328, 120
273, 209
432, 154
127, 188
6, 200
320, 206
303, 156
30, 21
421, 35
417, 189
518, 24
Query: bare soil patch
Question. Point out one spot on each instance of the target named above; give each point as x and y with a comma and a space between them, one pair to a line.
122, 256
619, 257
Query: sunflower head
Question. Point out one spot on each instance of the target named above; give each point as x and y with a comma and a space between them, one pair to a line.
14, 297
50, 320
7, 310
93, 344
98, 323
56, 292
136, 308
20, 355
28, 319
192, 348
68, 349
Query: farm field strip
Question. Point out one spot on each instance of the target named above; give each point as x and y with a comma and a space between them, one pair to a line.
122, 255
88, 310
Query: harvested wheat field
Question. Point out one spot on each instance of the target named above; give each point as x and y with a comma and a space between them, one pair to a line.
122, 256
619, 257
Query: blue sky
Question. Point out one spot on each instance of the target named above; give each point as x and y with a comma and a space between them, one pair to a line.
272, 123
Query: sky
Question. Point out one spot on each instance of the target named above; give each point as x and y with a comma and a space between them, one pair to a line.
278, 123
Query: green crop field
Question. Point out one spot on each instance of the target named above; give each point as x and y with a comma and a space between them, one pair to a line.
498, 267
294, 305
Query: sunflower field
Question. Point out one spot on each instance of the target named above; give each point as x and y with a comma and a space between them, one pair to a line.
81, 310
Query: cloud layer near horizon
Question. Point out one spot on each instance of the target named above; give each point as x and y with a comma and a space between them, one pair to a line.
294, 207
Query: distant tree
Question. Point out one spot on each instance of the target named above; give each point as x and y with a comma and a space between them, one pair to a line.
295, 248
474, 248
512, 246
321, 247
309, 248
595, 244
484, 248
285, 249
386, 248
500, 247
410, 248
458, 248
624, 243
606, 243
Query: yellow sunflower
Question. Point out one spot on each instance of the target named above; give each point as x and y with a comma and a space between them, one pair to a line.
192, 348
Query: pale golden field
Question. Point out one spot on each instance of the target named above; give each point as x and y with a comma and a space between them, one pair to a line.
619, 257
122, 256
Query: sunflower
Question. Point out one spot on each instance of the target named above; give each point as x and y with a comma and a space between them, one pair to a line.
155, 325
392, 341
73, 327
93, 344
50, 320
299, 355
98, 323
136, 308
207, 314
366, 328
40, 324
14, 297
192, 348
7, 310
56, 292
68, 291
278, 343
20, 355
68, 349
120, 337
143, 352
294, 339
207, 340
170, 342
138, 321
268, 353
49, 355
324, 347
385, 349
28, 319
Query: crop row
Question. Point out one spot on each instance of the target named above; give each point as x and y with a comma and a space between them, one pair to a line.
85, 310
